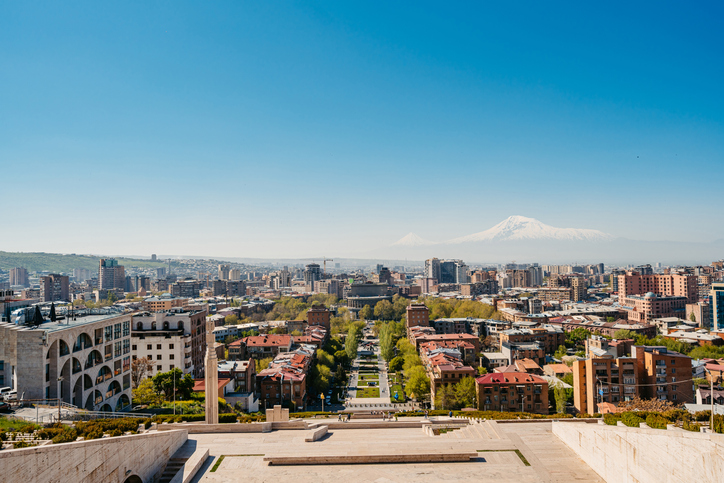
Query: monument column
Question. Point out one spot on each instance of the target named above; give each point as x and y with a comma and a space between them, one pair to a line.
211, 372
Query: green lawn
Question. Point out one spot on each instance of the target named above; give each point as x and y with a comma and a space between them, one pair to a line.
400, 392
368, 392
369, 377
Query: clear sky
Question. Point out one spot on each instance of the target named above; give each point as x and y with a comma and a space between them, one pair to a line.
280, 129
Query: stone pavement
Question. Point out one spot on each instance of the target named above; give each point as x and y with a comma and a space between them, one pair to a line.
550, 460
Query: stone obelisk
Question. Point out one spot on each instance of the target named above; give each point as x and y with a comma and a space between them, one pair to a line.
212, 376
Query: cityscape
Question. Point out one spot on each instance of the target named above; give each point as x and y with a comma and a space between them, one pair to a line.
472, 242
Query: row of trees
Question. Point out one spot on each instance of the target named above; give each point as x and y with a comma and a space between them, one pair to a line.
458, 396
164, 386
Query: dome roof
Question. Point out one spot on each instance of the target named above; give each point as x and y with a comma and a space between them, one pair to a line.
650, 295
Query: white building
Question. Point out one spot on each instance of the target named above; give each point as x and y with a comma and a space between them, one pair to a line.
84, 359
171, 339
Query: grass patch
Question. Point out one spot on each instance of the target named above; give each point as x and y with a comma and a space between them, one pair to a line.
400, 392
369, 377
516, 451
17, 425
368, 392
221, 458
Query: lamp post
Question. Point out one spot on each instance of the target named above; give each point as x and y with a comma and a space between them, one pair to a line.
174, 391
60, 387
711, 386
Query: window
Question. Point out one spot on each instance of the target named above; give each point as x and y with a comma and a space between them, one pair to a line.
117, 349
149, 347
158, 347
117, 331
126, 328
673, 370
170, 356
158, 357
126, 346
171, 367
108, 333
139, 326
170, 346
158, 367
134, 348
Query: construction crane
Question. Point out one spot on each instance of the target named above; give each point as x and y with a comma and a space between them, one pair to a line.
324, 260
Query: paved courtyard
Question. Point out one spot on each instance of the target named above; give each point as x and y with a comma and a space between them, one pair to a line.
550, 460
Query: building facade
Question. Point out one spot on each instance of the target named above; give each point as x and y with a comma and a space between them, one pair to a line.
55, 288
84, 360
512, 391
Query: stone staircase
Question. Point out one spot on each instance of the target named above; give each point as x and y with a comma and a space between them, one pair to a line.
475, 430
184, 463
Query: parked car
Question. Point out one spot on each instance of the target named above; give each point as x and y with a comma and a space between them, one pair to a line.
4, 407
11, 396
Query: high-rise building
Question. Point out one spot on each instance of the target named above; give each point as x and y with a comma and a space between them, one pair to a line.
111, 275
161, 272
223, 272
19, 276
234, 274
81, 274
432, 269
536, 275
717, 305
54, 288
580, 288
312, 273
676, 285
418, 315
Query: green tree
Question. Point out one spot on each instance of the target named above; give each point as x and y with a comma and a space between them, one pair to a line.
387, 346
341, 357
350, 345
164, 382
625, 334
560, 353
692, 317
568, 379
405, 347
561, 399
340, 376
397, 363
262, 364
577, 336
365, 313
112, 297
145, 393
445, 397
324, 358
231, 319
482, 371
384, 310
411, 360
465, 393
418, 384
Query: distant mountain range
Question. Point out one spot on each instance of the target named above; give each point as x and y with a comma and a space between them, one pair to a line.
529, 240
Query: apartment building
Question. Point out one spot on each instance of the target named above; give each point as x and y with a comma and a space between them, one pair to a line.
512, 391
261, 346
717, 305
665, 373
19, 276
604, 379
319, 315
55, 288
111, 275
83, 359
549, 336
677, 285
164, 302
418, 315
172, 339
644, 308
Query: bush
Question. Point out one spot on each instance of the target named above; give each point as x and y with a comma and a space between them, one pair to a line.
611, 419
656, 421
227, 418
631, 420
67, 435
21, 444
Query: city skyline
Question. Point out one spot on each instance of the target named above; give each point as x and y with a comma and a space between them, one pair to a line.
305, 130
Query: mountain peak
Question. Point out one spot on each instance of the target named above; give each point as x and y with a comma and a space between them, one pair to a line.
412, 240
523, 228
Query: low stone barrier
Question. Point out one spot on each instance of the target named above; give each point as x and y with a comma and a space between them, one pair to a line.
218, 428
371, 459
316, 434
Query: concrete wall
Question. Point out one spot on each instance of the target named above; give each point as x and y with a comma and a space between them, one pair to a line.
109, 460
623, 454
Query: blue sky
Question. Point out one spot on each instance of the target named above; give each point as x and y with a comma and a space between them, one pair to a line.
265, 129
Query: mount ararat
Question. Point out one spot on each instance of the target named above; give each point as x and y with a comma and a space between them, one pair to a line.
529, 240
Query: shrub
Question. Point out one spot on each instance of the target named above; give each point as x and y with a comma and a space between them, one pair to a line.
67, 435
631, 420
227, 418
3, 436
611, 419
656, 421
21, 444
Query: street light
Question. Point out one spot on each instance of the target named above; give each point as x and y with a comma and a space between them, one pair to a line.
711, 386
174, 392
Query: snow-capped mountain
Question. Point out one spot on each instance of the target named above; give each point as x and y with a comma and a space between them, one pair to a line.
412, 240
522, 228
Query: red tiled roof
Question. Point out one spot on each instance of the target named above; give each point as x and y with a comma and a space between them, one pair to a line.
200, 384
268, 340
509, 378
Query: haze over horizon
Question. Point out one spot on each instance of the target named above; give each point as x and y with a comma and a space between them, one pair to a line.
267, 130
